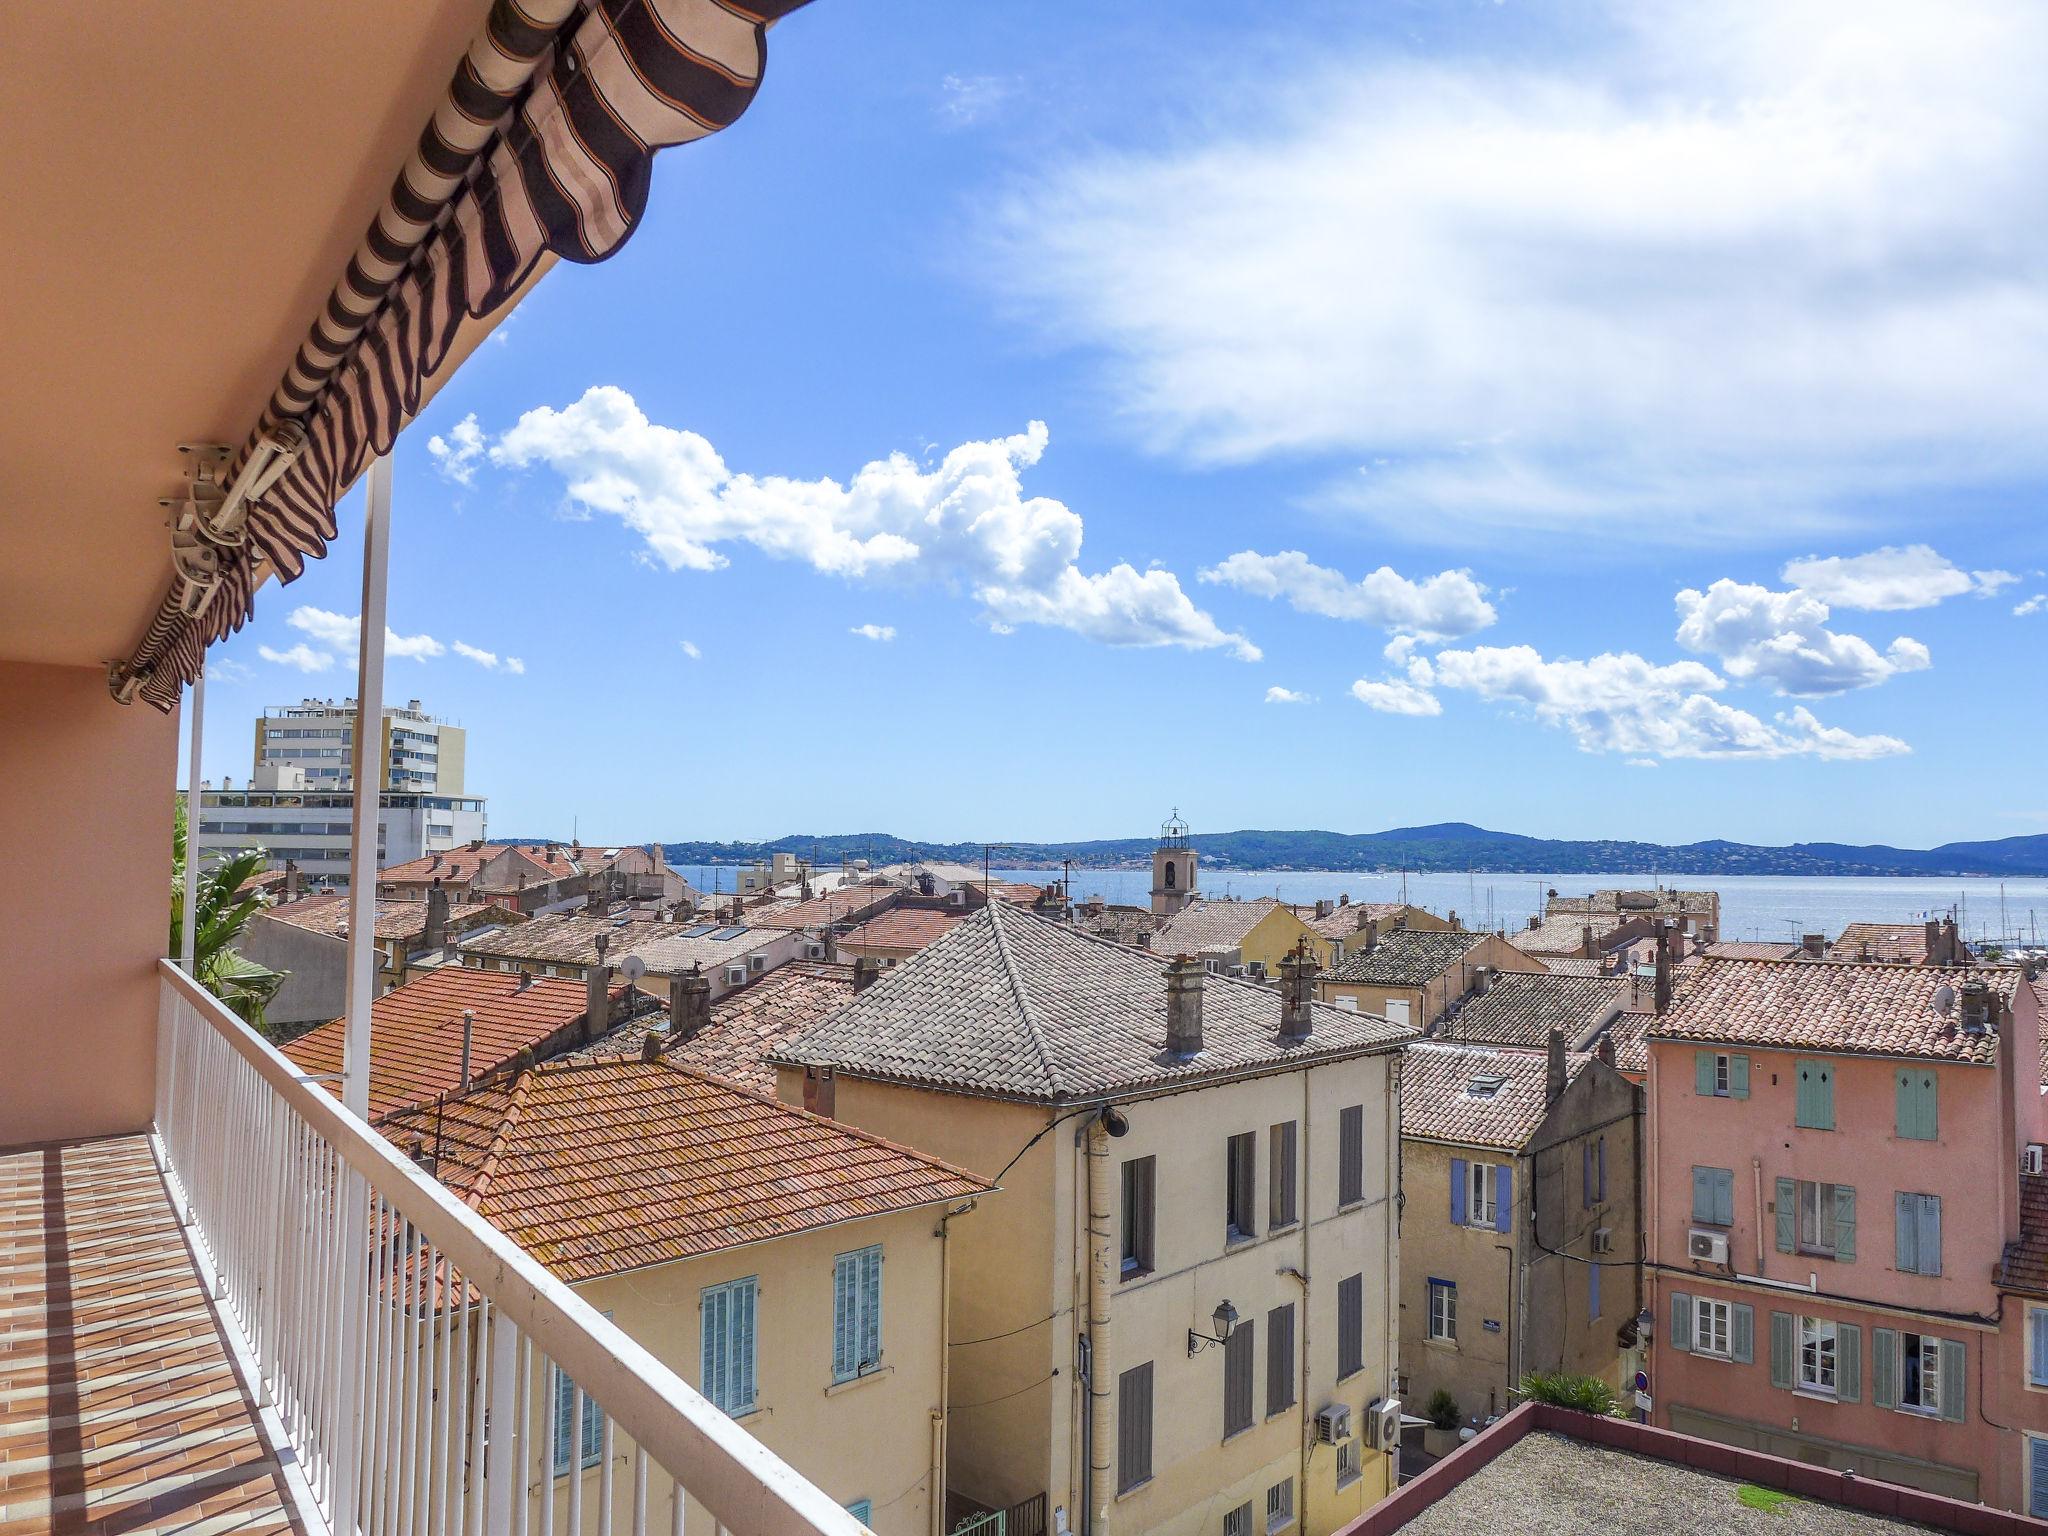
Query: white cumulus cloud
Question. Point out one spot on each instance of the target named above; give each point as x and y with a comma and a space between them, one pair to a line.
965, 522
1642, 762
2034, 604
874, 631
1278, 695
1447, 606
1782, 638
456, 454
1891, 578
690, 650
301, 656
490, 661
1395, 697
1695, 272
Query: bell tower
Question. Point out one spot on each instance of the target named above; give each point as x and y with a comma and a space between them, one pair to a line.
1173, 869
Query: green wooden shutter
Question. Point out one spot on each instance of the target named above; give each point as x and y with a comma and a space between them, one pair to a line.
1848, 1362
1703, 1072
1724, 1196
1930, 1105
1955, 1399
1929, 1238
1845, 1222
1742, 1334
1782, 1346
1884, 1367
1825, 1101
1738, 1077
1681, 1322
1905, 1234
1703, 1194
1814, 1106
1788, 1215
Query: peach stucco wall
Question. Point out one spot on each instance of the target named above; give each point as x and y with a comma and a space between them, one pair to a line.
86, 798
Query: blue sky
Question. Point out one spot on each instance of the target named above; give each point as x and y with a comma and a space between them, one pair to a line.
1580, 420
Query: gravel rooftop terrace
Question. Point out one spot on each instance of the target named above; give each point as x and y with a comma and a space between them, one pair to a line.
1547, 1485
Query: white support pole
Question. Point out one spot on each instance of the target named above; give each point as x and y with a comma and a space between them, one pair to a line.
195, 704
367, 768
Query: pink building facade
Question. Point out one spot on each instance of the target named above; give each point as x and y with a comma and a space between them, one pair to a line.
1835, 1178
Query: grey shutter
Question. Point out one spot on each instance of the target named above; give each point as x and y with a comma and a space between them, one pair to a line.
1350, 1325
1905, 1234
1702, 1194
1845, 1222
1788, 1215
1929, 1224
1284, 1210
1955, 1397
1240, 1354
1848, 1362
1884, 1367
1703, 1072
1742, 1334
1280, 1359
1351, 1154
1134, 1427
1738, 1077
1681, 1322
1782, 1346
2037, 1476
1724, 1196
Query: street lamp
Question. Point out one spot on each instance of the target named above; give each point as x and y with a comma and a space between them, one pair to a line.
1225, 1318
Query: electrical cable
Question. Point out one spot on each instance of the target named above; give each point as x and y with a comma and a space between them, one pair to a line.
991, 1401
992, 1338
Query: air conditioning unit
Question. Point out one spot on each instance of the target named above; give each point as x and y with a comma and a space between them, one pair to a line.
759, 962
814, 951
1387, 1426
1603, 1239
2031, 1158
1333, 1423
735, 974
1707, 1247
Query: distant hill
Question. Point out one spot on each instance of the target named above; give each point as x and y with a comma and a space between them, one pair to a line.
1453, 846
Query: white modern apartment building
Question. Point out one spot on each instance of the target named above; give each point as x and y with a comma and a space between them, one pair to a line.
418, 753
288, 817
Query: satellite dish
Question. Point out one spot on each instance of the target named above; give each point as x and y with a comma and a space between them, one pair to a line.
632, 967
1944, 998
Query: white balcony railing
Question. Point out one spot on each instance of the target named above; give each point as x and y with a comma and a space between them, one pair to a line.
409, 1348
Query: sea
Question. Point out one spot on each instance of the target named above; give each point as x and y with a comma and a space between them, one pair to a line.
1766, 907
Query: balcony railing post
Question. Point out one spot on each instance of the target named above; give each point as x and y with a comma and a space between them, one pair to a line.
195, 705
367, 768
503, 1463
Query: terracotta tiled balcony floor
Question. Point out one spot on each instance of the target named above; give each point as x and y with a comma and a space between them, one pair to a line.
119, 1409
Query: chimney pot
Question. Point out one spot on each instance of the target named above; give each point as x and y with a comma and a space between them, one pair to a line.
597, 1003
1297, 976
1183, 1006
867, 970
650, 1046
1814, 944
1553, 1067
1605, 1049
689, 1002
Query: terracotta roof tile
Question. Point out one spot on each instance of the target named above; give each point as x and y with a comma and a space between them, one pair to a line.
833, 907
1522, 1010
2024, 1265
1889, 943
597, 1168
902, 928
395, 919
746, 1024
1015, 1005
1474, 1096
416, 1031
1824, 1005
1743, 949
1407, 957
570, 938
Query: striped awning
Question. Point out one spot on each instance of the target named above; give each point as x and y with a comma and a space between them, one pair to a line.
543, 146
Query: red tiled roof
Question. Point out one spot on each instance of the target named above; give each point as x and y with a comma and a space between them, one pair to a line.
1476, 1096
901, 928
1823, 1005
602, 1167
455, 867
416, 1031
746, 1024
1893, 943
2024, 1266
395, 919
832, 907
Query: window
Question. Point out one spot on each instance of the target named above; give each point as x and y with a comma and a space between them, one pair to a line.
1710, 1327
1169, 875
1713, 1197
1134, 1427
1140, 1174
1280, 1506
1395, 1010
1920, 1372
1917, 1225
1350, 1326
862, 1510
1239, 1351
1241, 1157
1238, 1522
1443, 1311
1281, 1176
728, 1359
1724, 1330
1816, 1355
1814, 1107
1351, 1154
1480, 1207
1348, 1468
2037, 1348
856, 1313
1279, 1360
566, 1395
1593, 1172
1823, 1221
1720, 1075
1919, 1117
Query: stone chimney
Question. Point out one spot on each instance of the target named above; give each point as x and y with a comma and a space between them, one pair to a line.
294, 882
1297, 992
1663, 994
1605, 1049
1370, 928
1553, 1067
1325, 907
650, 1046
597, 987
830, 940
867, 970
436, 932
689, 1002
1535, 921
525, 981
1947, 948
1814, 945
1587, 949
1183, 1006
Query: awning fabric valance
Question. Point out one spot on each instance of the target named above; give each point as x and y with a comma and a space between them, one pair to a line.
544, 145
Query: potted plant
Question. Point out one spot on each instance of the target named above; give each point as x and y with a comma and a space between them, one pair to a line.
1441, 1437
1562, 1389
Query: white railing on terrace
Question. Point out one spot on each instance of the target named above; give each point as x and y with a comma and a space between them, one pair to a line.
411, 1350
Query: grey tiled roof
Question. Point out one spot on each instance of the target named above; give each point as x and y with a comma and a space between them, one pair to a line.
1407, 957
1522, 1010
1014, 1005
1204, 925
1442, 1097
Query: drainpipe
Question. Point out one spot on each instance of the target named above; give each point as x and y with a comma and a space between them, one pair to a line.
1756, 1170
938, 1482
1101, 1280
1305, 1210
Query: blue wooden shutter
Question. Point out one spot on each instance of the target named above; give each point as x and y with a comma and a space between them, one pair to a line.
1848, 1362
1905, 1234
1929, 1223
862, 1510
870, 1309
1782, 1347
1602, 1160
2037, 1476
1458, 1178
1742, 1334
1738, 1077
1845, 1222
1788, 1215
1884, 1367
845, 1358
1703, 1072
1724, 1196
716, 1365
2037, 1348
1503, 1198
1955, 1398
1681, 1322
565, 1418
1702, 1194
743, 1340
